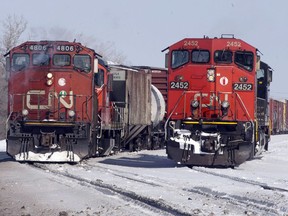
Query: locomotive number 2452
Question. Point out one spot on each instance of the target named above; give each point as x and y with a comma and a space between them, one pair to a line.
179, 85
243, 86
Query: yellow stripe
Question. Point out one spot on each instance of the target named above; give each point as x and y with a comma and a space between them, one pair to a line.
48, 124
212, 123
256, 130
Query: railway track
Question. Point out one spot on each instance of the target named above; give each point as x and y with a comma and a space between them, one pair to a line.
151, 204
107, 178
246, 181
258, 206
267, 206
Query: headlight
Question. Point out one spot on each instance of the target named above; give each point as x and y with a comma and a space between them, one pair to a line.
211, 75
25, 112
225, 104
49, 82
71, 113
49, 75
195, 103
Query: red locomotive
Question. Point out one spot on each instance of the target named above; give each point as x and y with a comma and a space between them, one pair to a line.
62, 106
52, 104
217, 107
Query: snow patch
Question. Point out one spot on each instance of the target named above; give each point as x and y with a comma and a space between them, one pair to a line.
63, 156
2, 145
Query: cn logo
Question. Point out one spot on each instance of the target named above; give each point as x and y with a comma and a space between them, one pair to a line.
224, 81
50, 95
211, 97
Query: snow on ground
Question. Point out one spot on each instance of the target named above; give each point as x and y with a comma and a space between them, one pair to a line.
28, 191
149, 174
270, 168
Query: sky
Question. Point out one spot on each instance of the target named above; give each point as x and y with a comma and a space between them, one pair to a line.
141, 29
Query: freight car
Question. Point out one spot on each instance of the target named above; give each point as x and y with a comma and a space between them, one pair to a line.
143, 107
159, 87
63, 103
217, 103
278, 116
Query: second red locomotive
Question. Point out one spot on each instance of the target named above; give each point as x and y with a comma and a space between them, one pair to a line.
217, 101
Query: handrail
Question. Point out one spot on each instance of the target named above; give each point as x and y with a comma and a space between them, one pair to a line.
116, 108
217, 94
244, 107
176, 105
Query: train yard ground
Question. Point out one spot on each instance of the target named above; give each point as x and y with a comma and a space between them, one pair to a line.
146, 183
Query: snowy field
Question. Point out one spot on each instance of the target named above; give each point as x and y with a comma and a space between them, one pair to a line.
146, 183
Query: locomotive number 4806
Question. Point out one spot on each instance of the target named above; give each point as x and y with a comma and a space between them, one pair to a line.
179, 85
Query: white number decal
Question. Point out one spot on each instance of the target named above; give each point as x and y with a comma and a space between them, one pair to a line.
190, 43
179, 85
65, 48
243, 86
37, 47
233, 44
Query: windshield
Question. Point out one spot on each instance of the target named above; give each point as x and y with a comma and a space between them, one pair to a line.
82, 62
20, 61
179, 58
61, 60
200, 56
223, 56
244, 60
40, 59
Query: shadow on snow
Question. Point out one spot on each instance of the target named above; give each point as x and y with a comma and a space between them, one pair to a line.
144, 161
4, 157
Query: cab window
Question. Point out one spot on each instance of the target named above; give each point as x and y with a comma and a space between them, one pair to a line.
223, 56
20, 61
200, 56
61, 60
39, 59
244, 60
82, 63
179, 58
261, 84
99, 78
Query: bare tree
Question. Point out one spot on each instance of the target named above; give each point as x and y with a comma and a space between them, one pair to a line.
12, 29
105, 49
110, 53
